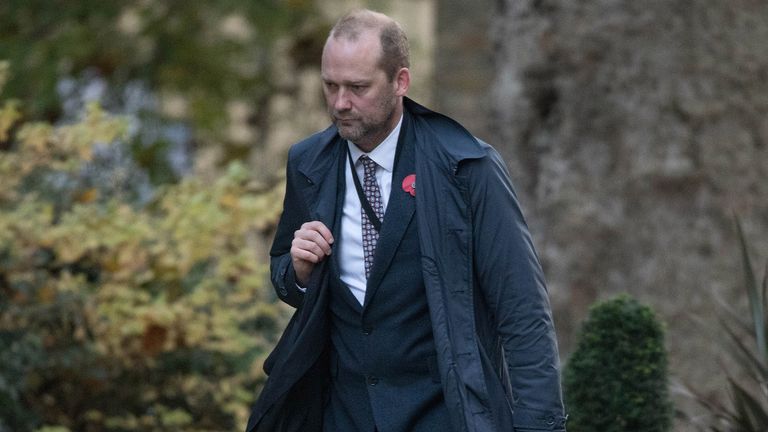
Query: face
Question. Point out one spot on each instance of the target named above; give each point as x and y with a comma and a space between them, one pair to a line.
362, 102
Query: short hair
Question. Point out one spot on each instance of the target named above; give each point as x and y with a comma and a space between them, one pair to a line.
395, 53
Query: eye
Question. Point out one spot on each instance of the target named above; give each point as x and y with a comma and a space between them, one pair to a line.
357, 88
332, 87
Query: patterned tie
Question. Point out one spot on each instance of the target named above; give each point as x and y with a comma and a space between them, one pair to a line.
373, 195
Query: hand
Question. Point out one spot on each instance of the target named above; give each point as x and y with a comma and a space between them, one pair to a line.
311, 244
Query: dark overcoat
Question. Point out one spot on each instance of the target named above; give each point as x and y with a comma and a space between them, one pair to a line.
491, 319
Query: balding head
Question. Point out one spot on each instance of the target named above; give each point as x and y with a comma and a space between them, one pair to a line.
395, 53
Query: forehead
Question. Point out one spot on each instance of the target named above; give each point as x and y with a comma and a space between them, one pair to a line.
347, 59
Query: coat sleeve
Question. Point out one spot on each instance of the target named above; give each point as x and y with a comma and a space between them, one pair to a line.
294, 214
510, 277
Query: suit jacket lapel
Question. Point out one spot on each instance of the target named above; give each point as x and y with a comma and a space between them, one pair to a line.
345, 292
399, 212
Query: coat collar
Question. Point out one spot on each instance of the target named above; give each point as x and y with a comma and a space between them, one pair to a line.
322, 152
451, 142
320, 169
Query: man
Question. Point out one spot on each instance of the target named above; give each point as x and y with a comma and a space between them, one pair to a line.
420, 301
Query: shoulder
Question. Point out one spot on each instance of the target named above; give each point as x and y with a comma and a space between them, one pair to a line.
443, 139
311, 146
490, 156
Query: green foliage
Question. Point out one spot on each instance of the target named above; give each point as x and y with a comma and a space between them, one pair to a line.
187, 73
208, 51
748, 411
616, 380
120, 317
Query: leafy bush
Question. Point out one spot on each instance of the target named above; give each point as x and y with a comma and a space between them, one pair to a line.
616, 379
204, 53
118, 316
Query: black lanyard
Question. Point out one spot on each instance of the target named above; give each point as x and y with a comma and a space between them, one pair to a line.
363, 200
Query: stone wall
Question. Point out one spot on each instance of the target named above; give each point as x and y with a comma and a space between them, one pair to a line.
463, 58
634, 131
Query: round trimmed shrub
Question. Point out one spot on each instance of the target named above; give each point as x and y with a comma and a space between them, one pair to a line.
616, 379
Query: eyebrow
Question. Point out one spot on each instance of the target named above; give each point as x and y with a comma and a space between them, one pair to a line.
345, 82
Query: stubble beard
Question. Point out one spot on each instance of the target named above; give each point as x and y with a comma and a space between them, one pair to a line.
368, 131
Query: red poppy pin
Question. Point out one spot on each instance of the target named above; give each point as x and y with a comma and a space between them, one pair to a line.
409, 184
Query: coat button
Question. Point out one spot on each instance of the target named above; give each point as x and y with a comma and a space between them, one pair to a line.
367, 330
371, 380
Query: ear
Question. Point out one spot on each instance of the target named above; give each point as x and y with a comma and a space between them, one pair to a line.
402, 81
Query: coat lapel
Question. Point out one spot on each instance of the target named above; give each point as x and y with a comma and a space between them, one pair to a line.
322, 177
400, 210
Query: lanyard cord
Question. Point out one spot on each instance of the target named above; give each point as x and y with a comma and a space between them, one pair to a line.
360, 194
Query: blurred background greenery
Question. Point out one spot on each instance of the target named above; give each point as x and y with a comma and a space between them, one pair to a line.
134, 291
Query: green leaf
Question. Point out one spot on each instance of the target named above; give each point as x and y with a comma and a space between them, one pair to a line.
756, 297
746, 356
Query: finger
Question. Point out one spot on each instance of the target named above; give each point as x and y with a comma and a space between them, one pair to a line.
320, 250
309, 239
300, 254
314, 237
320, 228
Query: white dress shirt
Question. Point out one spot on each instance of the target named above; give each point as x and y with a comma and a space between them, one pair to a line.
350, 243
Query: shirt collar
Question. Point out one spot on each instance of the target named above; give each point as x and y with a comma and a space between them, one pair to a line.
384, 153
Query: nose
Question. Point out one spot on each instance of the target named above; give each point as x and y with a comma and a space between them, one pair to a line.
342, 101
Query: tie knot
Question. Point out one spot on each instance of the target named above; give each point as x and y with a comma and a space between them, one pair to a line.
368, 163
365, 160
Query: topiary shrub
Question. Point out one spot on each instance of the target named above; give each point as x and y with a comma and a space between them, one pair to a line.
616, 379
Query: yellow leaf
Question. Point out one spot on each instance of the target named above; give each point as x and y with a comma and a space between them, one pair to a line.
229, 201
8, 116
36, 136
111, 264
87, 196
5, 67
46, 294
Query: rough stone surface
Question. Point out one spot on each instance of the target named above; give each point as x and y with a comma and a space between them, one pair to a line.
463, 57
634, 131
